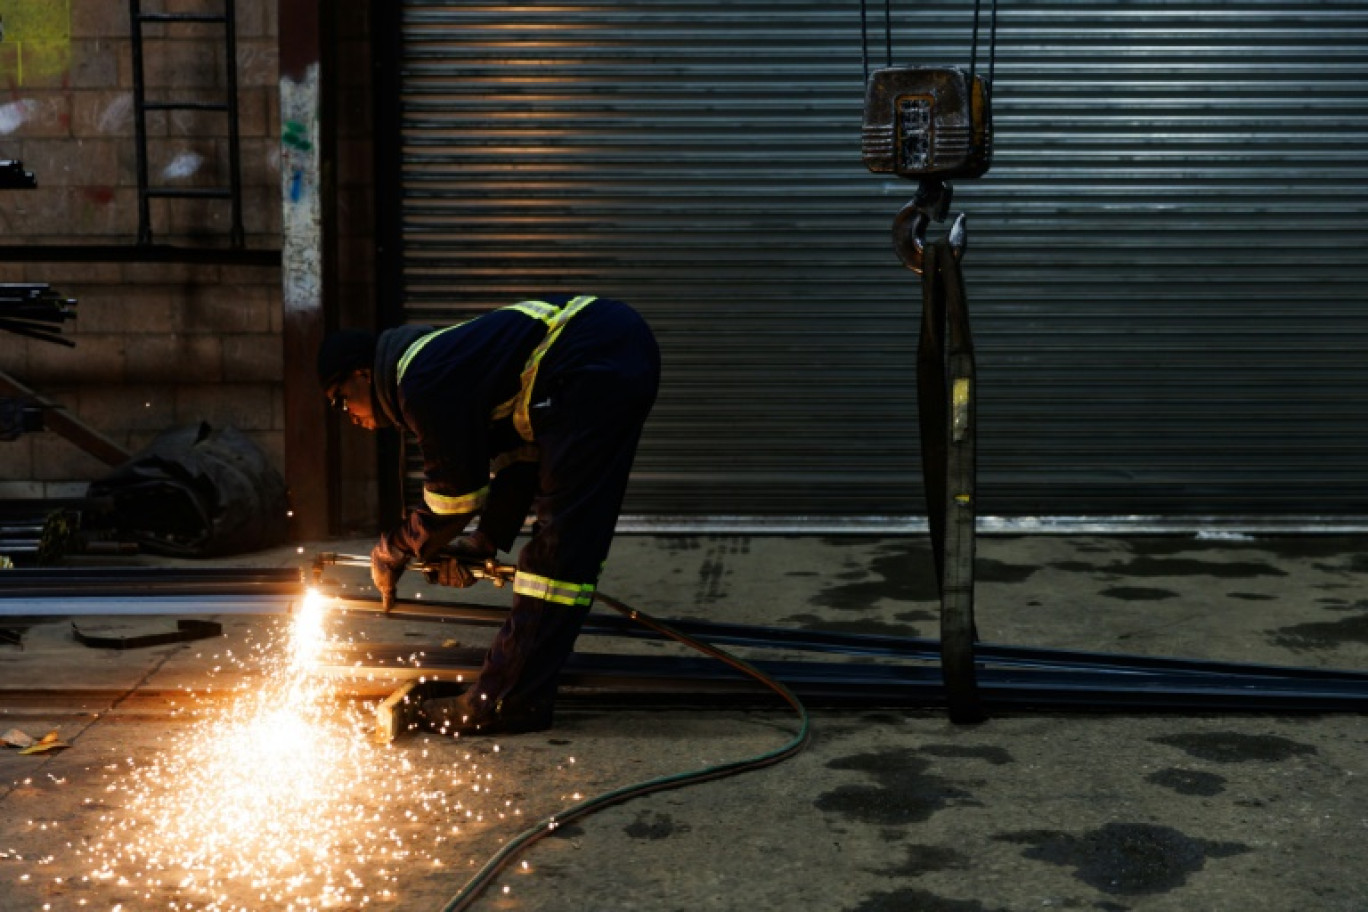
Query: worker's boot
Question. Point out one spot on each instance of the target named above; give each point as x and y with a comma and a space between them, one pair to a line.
516, 688
470, 714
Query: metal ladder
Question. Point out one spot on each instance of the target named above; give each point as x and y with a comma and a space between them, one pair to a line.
141, 107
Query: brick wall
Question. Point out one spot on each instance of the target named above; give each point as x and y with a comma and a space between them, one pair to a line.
157, 345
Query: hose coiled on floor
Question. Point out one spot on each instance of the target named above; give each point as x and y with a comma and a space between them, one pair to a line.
501, 859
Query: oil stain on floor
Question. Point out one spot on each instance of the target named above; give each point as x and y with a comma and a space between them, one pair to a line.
1188, 782
1322, 634
1236, 747
904, 573
903, 793
910, 900
1125, 859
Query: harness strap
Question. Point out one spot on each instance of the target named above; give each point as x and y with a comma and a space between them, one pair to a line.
518, 406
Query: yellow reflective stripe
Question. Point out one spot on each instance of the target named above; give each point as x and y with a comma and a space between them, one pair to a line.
537, 310
447, 505
522, 418
504, 409
529, 453
549, 590
412, 351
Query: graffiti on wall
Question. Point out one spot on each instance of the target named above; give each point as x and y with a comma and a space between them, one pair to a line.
36, 47
302, 241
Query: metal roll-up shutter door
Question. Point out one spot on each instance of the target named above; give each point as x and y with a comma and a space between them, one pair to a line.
1166, 269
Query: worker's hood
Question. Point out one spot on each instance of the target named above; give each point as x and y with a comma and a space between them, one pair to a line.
389, 348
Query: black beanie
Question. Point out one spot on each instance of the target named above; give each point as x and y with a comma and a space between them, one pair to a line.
342, 352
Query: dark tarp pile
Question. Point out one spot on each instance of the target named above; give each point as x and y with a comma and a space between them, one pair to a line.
198, 491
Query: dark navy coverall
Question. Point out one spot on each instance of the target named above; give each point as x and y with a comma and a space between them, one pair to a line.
538, 404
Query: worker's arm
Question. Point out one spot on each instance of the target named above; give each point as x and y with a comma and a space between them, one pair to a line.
423, 534
511, 492
454, 444
420, 536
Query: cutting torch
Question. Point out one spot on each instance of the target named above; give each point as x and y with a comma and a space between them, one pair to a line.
437, 569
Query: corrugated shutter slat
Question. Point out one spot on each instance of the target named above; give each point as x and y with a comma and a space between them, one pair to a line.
1166, 270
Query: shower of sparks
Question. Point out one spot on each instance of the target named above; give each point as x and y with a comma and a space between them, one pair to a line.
278, 798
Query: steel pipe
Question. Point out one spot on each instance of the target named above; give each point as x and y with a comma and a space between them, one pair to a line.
1076, 689
862, 644
31, 592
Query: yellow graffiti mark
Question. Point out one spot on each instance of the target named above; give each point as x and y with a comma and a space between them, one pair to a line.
37, 40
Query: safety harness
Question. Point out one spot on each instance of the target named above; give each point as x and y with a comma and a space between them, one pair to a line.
519, 406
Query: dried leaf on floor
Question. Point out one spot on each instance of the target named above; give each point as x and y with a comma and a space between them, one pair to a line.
50, 741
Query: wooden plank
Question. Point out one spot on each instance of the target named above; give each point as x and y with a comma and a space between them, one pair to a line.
65, 424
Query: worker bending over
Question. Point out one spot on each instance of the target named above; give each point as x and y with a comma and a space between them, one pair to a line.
534, 406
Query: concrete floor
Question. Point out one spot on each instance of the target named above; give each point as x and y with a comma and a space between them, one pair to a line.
167, 799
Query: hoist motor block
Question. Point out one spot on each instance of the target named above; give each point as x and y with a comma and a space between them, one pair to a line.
927, 123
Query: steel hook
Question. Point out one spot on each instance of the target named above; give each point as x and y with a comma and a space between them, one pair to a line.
909, 236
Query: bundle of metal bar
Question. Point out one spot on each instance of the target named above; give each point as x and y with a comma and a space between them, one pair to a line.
18, 417
13, 176
36, 311
1075, 689
43, 532
40, 537
21, 530
861, 644
1009, 676
148, 590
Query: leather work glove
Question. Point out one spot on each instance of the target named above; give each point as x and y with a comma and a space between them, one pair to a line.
449, 571
475, 548
387, 564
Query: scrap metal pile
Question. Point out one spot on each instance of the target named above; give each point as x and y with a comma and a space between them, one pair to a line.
13, 176
36, 532
35, 311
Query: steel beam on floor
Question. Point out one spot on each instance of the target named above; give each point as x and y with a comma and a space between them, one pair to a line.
871, 670
1011, 677
48, 591
873, 685
863, 644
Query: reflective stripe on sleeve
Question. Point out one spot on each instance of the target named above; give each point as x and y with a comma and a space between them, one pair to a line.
446, 505
549, 590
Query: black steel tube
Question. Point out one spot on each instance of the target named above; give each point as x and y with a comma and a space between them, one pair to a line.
147, 581
906, 685
909, 648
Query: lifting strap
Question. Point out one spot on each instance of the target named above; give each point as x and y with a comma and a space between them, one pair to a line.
945, 397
